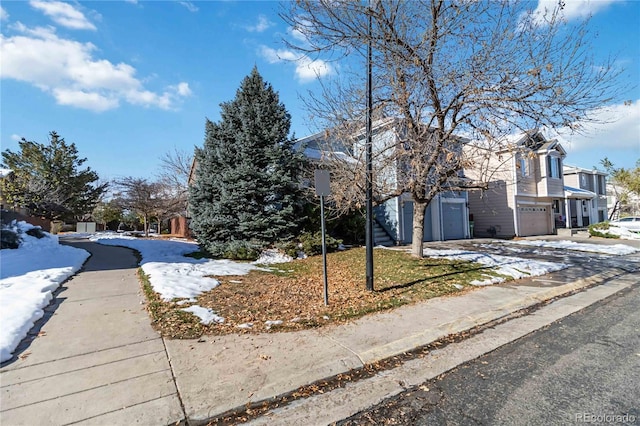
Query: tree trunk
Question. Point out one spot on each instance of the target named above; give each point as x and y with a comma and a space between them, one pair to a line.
418, 229
614, 210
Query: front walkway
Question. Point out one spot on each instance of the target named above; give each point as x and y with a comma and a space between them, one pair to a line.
93, 358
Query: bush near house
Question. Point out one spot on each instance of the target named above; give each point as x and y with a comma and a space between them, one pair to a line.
601, 230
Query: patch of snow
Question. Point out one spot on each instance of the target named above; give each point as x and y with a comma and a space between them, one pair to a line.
206, 315
273, 256
616, 249
186, 301
458, 286
246, 325
507, 266
270, 323
28, 277
170, 273
623, 233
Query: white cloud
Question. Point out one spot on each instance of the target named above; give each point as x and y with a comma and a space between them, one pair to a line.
189, 5
182, 89
306, 70
68, 70
3, 14
619, 129
86, 100
299, 32
572, 9
63, 14
16, 137
262, 25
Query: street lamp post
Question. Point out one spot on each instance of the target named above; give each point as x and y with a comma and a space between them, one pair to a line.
369, 182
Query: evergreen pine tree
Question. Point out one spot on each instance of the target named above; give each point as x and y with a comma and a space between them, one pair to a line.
246, 187
48, 179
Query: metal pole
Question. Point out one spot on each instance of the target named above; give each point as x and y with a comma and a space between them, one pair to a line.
324, 252
369, 182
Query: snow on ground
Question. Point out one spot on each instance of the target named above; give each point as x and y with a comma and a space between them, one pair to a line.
623, 233
616, 249
28, 276
273, 256
206, 315
171, 274
506, 266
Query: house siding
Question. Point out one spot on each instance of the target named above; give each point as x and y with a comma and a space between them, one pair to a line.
492, 211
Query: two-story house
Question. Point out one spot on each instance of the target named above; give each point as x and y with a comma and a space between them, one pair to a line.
525, 194
446, 217
585, 196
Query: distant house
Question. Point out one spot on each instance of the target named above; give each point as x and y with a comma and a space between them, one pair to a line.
446, 217
585, 196
525, 194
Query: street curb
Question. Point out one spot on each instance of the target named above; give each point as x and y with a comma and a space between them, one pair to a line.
416, 341
412, 342
353, 397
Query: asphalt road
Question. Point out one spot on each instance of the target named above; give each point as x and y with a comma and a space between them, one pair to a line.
582, 369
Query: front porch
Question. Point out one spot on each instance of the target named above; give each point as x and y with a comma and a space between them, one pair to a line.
576, 210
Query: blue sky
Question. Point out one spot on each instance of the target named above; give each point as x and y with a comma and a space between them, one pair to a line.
128, 81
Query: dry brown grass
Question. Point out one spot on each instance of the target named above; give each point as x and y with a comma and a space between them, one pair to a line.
293, 293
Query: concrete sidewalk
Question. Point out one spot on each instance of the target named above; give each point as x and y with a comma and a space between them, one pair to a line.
93, 358
98, 361
220, 374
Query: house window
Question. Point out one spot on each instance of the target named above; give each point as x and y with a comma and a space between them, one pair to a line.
524, 166
602, 186
554, 166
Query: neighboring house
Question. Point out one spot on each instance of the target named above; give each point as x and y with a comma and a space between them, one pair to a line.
525, 194
446, 217
585, 196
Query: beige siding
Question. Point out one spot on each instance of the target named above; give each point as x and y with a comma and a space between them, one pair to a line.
572, 180
492, 209
549, 186
555, 187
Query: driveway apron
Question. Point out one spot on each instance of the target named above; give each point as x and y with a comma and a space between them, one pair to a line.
93, 358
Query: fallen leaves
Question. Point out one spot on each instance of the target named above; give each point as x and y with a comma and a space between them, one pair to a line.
291, 298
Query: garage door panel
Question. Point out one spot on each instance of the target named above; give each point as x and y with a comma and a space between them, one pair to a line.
533, 220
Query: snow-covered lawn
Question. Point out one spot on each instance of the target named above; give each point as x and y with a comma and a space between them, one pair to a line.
28, 276
616, 249
623, 233
506, 266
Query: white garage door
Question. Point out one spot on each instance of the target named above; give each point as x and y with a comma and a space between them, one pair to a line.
534, 220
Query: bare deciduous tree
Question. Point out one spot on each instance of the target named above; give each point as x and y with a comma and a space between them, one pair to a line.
444, 68
139, 196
